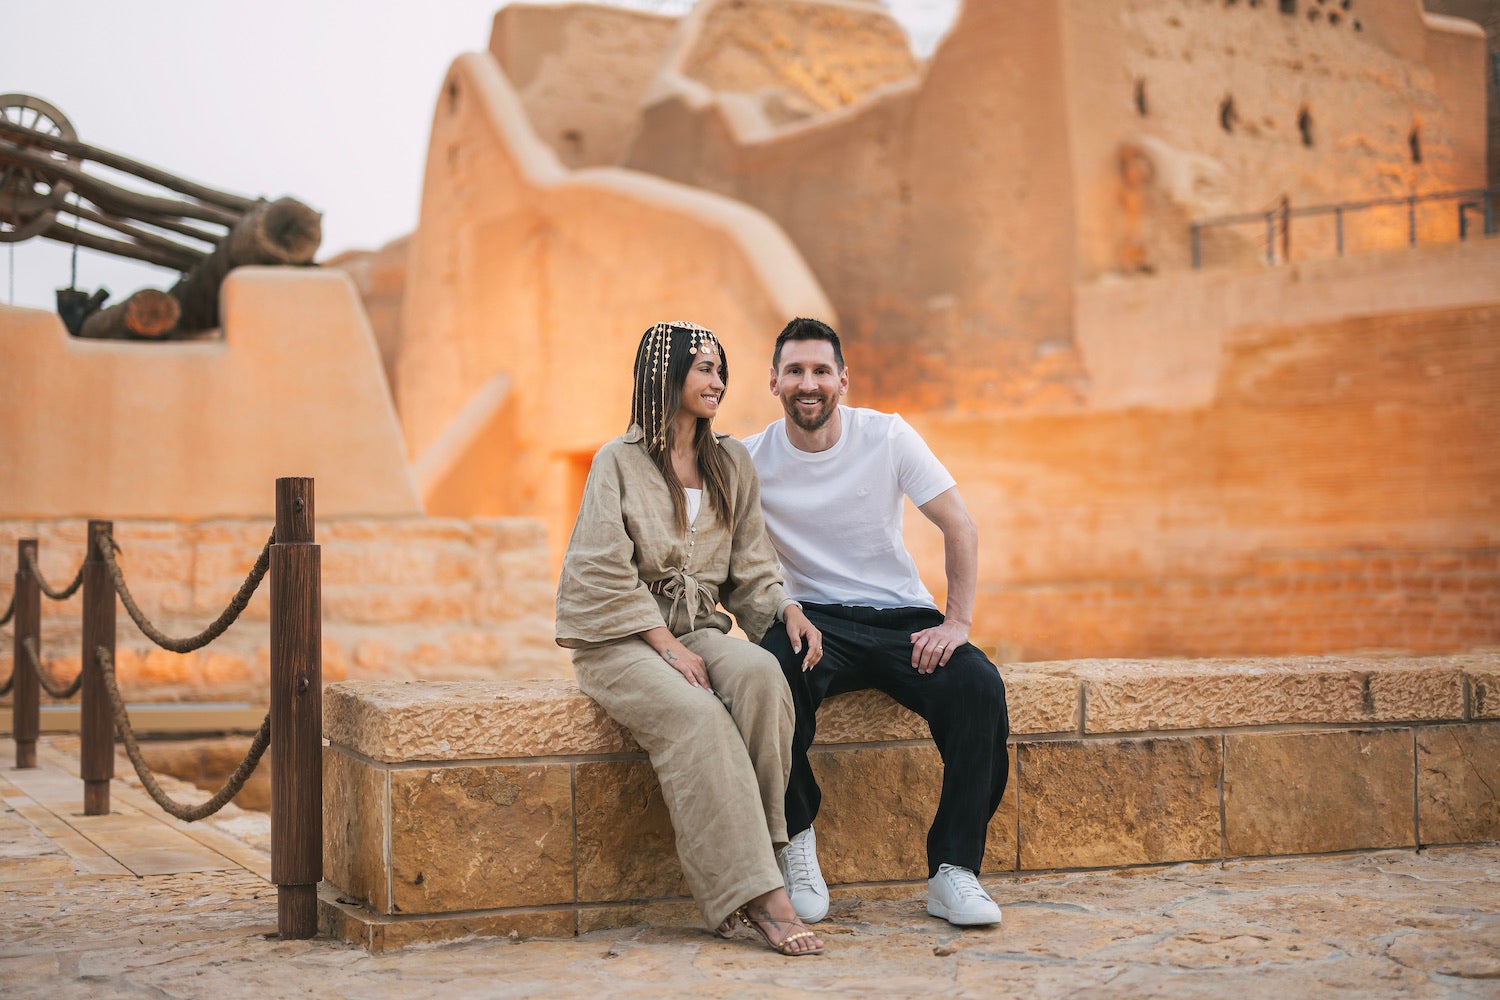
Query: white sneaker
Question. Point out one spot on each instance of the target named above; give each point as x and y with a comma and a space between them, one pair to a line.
803, 878
955, 894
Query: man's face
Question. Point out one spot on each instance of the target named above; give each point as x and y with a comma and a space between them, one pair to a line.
809, 382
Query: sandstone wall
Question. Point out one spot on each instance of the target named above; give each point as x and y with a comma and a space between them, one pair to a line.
529, 288
580, 71
403, 598
785, 60
1486, 14
380, 278
937, 213
1184, 110
203, 429
1310, 468
481, 809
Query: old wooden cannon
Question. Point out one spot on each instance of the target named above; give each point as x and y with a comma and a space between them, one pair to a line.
45, 191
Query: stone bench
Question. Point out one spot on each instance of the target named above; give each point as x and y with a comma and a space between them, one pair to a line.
492, 808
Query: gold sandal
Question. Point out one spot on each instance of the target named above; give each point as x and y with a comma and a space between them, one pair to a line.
780, 946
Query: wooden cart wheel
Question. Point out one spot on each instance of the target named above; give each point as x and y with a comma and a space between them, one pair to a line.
29, 200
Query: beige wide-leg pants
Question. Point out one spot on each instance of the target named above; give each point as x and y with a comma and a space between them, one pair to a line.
722, 759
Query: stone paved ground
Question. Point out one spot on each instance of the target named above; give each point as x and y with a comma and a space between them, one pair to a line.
75, 923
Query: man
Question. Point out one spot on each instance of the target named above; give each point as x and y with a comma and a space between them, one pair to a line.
832, 482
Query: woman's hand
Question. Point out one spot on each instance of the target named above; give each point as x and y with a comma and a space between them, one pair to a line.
803, 633
681, 659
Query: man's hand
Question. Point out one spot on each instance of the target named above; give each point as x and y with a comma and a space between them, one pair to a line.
803, 633
931, 647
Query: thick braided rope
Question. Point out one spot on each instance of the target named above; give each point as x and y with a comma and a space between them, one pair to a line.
208, 635
127, 736
60, 693
56, 595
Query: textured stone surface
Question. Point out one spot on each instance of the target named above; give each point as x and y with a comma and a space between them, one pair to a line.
1040, 702
1118, 802
867, 716
1295, 793
1458, 783
626, 846
466, 838
1147, 695
1394, 923
462, 720
458, 720
1484, 687
878, 803
682, 913
355, 815
378, 934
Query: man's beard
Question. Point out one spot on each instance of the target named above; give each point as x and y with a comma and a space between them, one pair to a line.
810, 421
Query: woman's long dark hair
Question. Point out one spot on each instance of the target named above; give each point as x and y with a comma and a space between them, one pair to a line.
666, 354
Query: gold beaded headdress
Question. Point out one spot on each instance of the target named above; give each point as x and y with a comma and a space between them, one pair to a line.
652, 371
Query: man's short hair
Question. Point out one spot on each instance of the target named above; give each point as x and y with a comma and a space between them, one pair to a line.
802, 328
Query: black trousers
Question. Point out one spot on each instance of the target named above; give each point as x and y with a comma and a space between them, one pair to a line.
963, 703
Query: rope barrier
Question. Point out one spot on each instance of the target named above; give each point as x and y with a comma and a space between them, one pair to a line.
60, 693
208, 635
231, 787
56, 595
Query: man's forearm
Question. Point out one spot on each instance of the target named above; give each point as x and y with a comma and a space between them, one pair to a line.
961, 559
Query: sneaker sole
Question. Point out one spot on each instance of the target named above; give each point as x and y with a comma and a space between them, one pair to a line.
941, 911
813, 917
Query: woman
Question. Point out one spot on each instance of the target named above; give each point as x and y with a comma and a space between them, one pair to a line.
670, 527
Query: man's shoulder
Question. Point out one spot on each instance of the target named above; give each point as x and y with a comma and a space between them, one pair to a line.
757, 443
868, 422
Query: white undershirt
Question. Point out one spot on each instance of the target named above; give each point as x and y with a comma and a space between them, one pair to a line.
694, 501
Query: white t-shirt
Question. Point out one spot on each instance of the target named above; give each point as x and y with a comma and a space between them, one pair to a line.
835, 516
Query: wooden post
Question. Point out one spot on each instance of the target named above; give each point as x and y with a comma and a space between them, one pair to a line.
296, 711
96, 717
25, 710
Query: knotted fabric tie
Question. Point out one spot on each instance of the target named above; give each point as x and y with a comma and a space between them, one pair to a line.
685, 592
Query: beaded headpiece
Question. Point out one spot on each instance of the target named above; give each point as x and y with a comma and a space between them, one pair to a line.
652, 371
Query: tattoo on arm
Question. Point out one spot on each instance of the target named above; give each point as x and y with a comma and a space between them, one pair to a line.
669, 656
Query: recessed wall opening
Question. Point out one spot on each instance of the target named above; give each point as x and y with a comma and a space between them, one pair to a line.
1289, 6
1140, 98
1304, 126
1227, 115
1414, 142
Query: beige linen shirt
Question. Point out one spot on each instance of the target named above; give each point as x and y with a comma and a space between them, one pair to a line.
626, 538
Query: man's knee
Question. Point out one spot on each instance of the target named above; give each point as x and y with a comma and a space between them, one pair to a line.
970, 679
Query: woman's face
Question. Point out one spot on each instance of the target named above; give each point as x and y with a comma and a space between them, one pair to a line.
702, 388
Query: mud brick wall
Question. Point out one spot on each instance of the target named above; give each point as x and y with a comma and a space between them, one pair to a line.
402, 597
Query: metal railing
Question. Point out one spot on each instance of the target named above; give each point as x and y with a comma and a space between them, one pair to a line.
1482, 202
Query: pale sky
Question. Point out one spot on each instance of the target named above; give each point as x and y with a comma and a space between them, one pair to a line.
327, 100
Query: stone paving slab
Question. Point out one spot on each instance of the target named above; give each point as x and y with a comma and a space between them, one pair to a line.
1387, 924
